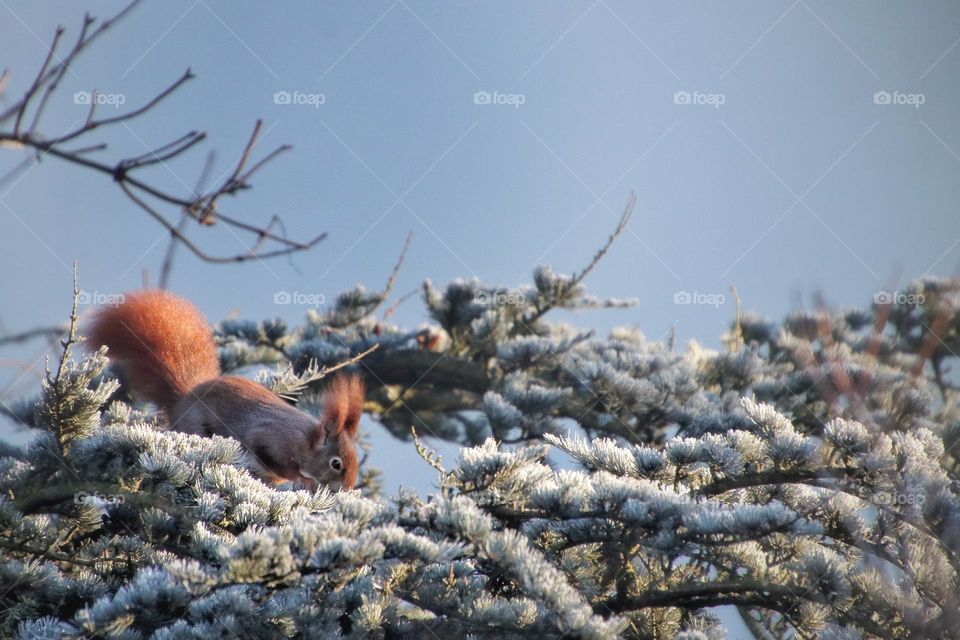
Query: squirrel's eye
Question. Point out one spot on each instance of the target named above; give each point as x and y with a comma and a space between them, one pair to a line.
336, 464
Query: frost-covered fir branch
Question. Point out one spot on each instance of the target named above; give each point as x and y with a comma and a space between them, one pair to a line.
807, 475
514, 546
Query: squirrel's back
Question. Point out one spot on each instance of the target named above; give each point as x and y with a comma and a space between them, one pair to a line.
162, 342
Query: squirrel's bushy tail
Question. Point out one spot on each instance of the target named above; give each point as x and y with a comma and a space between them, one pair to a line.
161, 341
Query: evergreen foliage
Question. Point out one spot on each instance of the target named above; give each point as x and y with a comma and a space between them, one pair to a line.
806, 474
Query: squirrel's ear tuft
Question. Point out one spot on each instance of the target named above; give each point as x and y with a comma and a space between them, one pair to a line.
343, 406
357, 392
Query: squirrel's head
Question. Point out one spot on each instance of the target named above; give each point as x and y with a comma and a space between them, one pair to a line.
331, 458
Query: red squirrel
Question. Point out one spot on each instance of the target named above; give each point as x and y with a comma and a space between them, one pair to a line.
166, 348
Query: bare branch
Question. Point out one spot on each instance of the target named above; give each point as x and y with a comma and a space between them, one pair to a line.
92, 124
578, 278
598, 256
36, 81
39, 332
166, 152
201, 207
396, 268
393, 308
240, 257
83, 42
167, 266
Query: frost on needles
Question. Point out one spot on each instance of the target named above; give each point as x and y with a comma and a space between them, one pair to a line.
806, 476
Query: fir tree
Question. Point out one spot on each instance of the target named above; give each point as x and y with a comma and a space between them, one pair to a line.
806, 474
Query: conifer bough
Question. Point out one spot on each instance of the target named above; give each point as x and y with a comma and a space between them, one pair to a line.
806, 475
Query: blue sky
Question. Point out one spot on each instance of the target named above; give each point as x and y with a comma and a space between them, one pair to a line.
750, 132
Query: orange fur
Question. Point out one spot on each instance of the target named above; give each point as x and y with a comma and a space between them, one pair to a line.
163, 343
344, 404
167, 350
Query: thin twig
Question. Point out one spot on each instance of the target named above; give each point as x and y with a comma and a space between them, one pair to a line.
430, 457
240, 257
346, 363
578, 278
737, 327
932, 336
167, 267
83, 42
396, 267
92, 124
199, 206
166, 152
393, 308
58, 70
39, 332
36, 81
